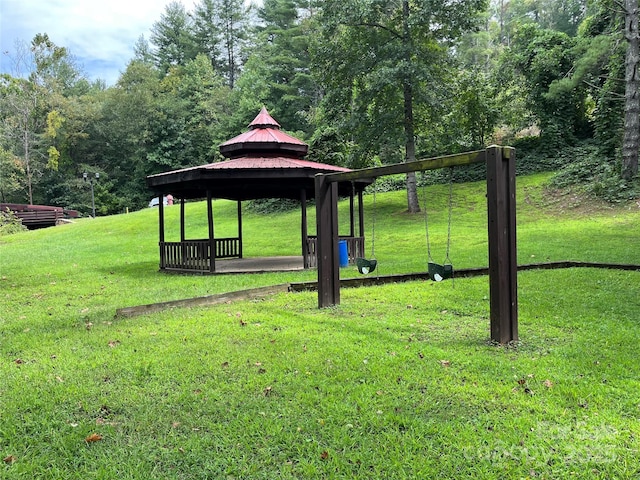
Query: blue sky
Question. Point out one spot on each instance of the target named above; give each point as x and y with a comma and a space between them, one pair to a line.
100, 35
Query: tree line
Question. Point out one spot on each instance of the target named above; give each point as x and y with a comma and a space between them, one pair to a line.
364, 82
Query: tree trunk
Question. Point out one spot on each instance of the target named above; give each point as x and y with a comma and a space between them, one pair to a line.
631, 140
413, 204
27, 159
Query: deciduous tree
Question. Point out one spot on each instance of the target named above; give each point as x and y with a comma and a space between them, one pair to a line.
389, 60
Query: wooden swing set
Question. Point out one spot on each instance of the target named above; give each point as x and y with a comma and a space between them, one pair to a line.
501, 212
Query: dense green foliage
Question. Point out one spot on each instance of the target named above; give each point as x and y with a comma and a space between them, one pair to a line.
364, 83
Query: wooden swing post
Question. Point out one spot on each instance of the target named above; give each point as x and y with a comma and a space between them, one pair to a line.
501, 214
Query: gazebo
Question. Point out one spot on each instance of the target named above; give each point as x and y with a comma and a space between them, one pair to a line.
263, 162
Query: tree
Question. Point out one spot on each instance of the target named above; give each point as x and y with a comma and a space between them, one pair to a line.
11, 173
142, 50
127, 111
172, 37
190, 102
278, 71
610, 72
631, 141
22, 122
537, 60
386, 61
220, 29
206, 28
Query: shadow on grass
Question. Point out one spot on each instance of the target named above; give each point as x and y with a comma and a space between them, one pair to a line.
134, 269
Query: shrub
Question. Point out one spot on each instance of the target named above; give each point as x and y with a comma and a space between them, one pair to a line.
273, 205
595, 175
10, 223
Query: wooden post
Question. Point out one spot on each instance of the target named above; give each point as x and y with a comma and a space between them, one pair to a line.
304, 229
240, 228
352, 220
503, 266
182, 229
183, 236
161, 231
360, 214
212, 240
327, 242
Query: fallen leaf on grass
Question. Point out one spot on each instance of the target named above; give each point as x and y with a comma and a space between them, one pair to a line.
18, 361
114, 343
445, 363
267, 391
324, 455
94, 437
548, 383
9, 459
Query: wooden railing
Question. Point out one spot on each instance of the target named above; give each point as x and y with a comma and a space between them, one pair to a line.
355, 249
195, 255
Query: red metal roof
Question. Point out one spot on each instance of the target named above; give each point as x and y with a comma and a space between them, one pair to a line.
262, 163
272, 162
264, 135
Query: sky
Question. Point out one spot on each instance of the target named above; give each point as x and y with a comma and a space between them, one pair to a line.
100, 35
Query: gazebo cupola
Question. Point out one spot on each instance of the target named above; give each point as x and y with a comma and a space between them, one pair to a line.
264, 139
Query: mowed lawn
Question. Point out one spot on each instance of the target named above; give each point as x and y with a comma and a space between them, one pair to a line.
399, 381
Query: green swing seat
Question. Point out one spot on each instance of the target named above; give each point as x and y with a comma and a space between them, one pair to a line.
439, 272
366, 266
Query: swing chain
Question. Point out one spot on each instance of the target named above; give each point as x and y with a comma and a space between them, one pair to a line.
447, 259
373, 222
426, 217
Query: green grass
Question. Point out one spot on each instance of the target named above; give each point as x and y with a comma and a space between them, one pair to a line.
398, 381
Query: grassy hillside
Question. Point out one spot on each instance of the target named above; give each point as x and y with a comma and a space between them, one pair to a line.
397, 382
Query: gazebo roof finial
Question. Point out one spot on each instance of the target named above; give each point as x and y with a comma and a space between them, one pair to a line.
264, 120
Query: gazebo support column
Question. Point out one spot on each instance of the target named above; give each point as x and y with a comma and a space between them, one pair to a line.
161, 232
360, 214
304, 229
352, 220
183, 235
212, 240
182, 229
239, 228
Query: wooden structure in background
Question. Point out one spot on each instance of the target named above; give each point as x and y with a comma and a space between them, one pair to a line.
38, 216
263, 162
501, 204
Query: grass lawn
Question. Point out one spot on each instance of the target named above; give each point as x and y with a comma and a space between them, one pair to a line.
398, 381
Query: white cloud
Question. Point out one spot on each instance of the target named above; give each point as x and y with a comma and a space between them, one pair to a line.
100, 35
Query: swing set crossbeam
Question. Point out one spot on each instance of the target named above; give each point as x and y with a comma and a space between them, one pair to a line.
467, 158
501, 214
